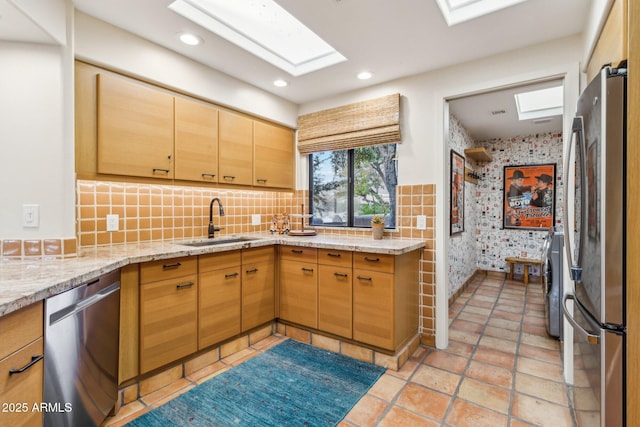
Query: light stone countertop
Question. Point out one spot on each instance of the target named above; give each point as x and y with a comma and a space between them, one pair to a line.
23, 282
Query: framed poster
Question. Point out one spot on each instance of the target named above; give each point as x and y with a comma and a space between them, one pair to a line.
456, 210
529, 196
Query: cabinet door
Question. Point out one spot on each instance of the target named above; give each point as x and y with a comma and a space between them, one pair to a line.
135, 129
24, 389
236, 148
373, 321
299, 293
168, 321
334, 300
196, 141
219, 305
258, 294
273, 156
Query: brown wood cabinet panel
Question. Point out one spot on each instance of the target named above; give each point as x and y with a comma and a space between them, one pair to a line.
335, 300
219, 305
167, 269
373, 308
23, 389
196, 141
374, 262
259, 254
235, 148
335, 257
168, 321
258, 293
217, 261
20, 328
129, 360
273, 156
611, 47
299, 292
135, 129
297, 253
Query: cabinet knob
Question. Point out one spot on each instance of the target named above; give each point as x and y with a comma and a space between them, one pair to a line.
159, 170
253, 270
184, 285
230, 275
368, 279
307, 270
229, 177
170, 266
341, 275
333, 255
371, 259
208, 175
34, 359
261, 181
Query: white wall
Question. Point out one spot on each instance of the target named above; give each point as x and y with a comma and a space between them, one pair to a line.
36, 136
103, 44
423, 154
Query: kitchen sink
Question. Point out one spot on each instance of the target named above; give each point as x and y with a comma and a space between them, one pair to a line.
221, 241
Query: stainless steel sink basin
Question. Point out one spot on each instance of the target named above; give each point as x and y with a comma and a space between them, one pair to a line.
219, 241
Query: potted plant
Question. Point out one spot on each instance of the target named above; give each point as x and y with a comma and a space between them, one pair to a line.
377, 226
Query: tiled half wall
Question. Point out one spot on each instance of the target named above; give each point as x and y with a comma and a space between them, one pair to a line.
149, 212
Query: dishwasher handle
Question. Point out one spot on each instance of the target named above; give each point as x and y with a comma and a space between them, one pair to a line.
83, 304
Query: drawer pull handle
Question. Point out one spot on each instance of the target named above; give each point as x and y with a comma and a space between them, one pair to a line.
34, 359
368, 279
307, 270
371, 259
334, 255
208, 175
253, 270
230, 275
297, 251
184, 285
341, 275
263, 181
229, 177
170, 266
157, 170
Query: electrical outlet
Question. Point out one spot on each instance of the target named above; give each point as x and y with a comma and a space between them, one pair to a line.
255, 219
421, 222
113, 222
30, 215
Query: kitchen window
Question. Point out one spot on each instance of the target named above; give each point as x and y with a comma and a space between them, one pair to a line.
348, 187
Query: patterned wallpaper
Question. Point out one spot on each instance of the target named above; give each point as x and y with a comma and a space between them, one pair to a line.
483, 204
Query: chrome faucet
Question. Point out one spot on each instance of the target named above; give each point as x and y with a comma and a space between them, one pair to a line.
213, 229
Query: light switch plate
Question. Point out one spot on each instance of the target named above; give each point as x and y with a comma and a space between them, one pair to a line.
421, 222
113, 222
255, 219
30, 215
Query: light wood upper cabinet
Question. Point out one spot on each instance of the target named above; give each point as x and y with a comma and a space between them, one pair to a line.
273, 156
196, 141
612, 45
236, 148
135, 129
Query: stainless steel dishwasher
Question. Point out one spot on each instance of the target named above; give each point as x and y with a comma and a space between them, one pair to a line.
81, 353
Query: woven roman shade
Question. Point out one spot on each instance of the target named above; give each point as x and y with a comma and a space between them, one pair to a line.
372, 122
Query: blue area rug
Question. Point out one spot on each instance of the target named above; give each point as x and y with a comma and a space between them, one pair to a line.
291, 384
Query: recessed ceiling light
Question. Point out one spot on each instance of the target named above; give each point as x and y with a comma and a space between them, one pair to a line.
280, 83
364, 75
189, 39
265, 29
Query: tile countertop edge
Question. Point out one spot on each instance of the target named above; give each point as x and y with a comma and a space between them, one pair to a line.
24, 282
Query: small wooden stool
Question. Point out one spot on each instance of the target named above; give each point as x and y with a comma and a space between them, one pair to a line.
526, 262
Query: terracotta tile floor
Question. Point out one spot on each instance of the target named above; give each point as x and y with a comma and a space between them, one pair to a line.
500, 369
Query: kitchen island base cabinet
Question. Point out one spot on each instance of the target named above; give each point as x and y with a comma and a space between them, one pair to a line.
219, 286
258, 287
21, 350
168, 311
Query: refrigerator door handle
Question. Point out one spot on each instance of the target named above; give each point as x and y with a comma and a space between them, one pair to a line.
591, 338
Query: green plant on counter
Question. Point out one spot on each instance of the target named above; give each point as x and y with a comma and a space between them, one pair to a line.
377, 219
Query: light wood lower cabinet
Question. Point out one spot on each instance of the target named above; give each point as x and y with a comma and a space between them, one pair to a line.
168, 311
219, 286
299, 285
22, 343
335, 292
258, 287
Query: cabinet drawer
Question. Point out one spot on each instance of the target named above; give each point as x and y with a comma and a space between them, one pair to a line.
218, 261
24, 388
374, 262
335, 257
167, 269
297, 253
254, 255
19, 328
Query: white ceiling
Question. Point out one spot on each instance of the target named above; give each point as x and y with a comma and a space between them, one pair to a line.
392, 39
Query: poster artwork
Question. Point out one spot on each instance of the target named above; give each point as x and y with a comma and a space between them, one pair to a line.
529, 196
457, 193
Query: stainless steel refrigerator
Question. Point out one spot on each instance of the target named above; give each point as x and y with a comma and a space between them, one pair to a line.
597, 258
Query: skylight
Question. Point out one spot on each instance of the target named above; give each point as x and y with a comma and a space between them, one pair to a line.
265, 29
457, 11
539, 103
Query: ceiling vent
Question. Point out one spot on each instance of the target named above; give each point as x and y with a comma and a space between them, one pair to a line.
498, 112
